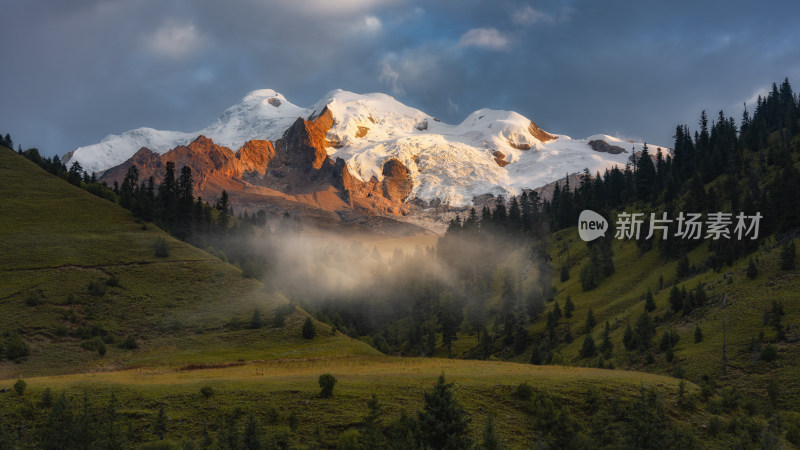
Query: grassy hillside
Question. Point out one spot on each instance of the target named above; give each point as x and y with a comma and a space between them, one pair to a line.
58, 240
620, 300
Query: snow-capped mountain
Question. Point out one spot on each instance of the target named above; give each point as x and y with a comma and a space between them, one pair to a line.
491, 151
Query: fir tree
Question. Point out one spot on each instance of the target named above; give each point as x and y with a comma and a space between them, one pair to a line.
569, 307
698, 334
308, 329
588, 348
256, 322
490, 439
372, 437
649, 304
443, 422
590, 320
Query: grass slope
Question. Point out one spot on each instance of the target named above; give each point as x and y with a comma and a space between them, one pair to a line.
620, 300
57, 239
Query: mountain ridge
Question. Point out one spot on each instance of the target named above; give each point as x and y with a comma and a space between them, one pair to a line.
447, 164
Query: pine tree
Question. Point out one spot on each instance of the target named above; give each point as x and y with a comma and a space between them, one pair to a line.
536, 356
590, 320
372, 437
556, 312
256, 322
607, 347
569, 307
490, 439
698, 334
649, 304
443, 422
627, 338
308, 329
588, 348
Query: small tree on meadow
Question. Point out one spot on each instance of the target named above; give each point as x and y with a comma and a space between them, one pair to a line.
326, 382
308, 329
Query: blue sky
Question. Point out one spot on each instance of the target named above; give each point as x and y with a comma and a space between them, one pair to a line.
76, 71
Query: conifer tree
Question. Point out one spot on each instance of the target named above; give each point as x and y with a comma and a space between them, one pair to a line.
698, 334
308, 329
443, 422
569, 307
788, 253
590, 320
649, 304
588, 348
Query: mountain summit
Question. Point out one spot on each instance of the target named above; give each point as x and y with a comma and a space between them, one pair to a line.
375, 136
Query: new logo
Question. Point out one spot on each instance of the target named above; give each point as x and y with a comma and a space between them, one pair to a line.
591, 225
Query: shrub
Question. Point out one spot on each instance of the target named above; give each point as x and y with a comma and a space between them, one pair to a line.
523, 392
770, 353
113, 281
19, 386
129, 343
34, 299
17, 348
326, 383
349, 440
714, 425
96, 289
161, 248
207, 391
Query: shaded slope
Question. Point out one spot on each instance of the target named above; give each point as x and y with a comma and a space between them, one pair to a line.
59, 239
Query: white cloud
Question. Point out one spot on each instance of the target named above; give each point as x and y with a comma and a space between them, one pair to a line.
527, 16
488, 38
391, 77
175, 40
370, 24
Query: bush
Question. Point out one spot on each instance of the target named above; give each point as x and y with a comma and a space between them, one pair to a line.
714, 425
96, 289
770, 353
19, 386
113, 281
129, 343
326, 383
207, 391
17, 348
523, 392
349, 440
161, 248
34, 299
308, 329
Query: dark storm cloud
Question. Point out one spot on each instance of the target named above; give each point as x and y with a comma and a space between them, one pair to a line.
76, 71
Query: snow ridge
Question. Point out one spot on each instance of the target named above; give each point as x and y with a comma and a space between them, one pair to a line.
452, 163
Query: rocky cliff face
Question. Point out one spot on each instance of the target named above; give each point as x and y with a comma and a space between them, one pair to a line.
294, 169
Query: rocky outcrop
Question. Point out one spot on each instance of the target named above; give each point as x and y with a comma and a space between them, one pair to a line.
602, 146
396, 183
147, 162
500, 158
255, 156
539, 134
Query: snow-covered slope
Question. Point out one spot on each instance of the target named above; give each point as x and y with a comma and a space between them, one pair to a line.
453, 163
